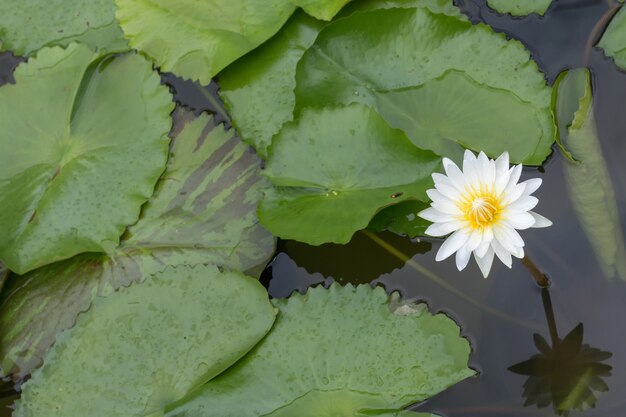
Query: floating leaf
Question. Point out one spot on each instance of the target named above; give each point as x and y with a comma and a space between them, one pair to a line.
321, 9
28, 25
4, 274
136, 351
334, 168
196, 40
203, 211
362, 58
334, 352
588, 181
258, 88
84, 141
614, 39
454, 110
520, 7
401, 219
446, 7
399, 414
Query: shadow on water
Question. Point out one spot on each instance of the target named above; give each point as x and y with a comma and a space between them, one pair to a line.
526, 368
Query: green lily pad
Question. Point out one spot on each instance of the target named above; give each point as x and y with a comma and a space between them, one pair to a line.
520, 7
369, 56
614, 39
4, 274
84, 141
258, 88
195, 40
453, 113
321, 9
203, 211
334, 168
338, 351
136, 351
399, 414
402, 219
588, 181
446, 7
29, 25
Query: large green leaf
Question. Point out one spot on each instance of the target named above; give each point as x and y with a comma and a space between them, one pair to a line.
258, 88
446, 7
334, 168
4, 274
520, 7
340, 351
362, 58
196, 40
321, 9
614, 39
203, 211
588, 181
454, 110
83, 142
136, 350
28, 25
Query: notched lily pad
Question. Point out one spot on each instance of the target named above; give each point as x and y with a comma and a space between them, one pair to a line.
446, 7
391, 59
338, 351
258, 88
203, 211
613, 42
520, 7
195, 40
28, 25
453, 113
136, 350
321, 9
334, 168
402, 219
84, 141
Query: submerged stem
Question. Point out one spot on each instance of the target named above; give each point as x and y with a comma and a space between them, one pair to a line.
540, 278
441, 282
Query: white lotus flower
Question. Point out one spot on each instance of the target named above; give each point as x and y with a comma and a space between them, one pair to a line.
482, 206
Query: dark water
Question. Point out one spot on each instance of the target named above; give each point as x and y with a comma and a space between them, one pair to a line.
500, 315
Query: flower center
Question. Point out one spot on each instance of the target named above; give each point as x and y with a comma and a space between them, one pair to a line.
481, 209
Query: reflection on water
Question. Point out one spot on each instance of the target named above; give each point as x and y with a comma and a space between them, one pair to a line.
345, 263
566, 373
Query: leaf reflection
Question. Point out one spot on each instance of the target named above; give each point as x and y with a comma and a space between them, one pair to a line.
566, 373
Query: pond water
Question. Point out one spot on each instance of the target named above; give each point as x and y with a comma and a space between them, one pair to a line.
499, 315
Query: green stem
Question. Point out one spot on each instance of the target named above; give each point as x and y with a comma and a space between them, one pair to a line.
540, 278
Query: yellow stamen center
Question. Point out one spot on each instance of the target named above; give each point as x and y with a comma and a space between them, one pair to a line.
480, 207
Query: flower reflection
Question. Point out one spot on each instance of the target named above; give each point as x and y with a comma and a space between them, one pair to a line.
566, 373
